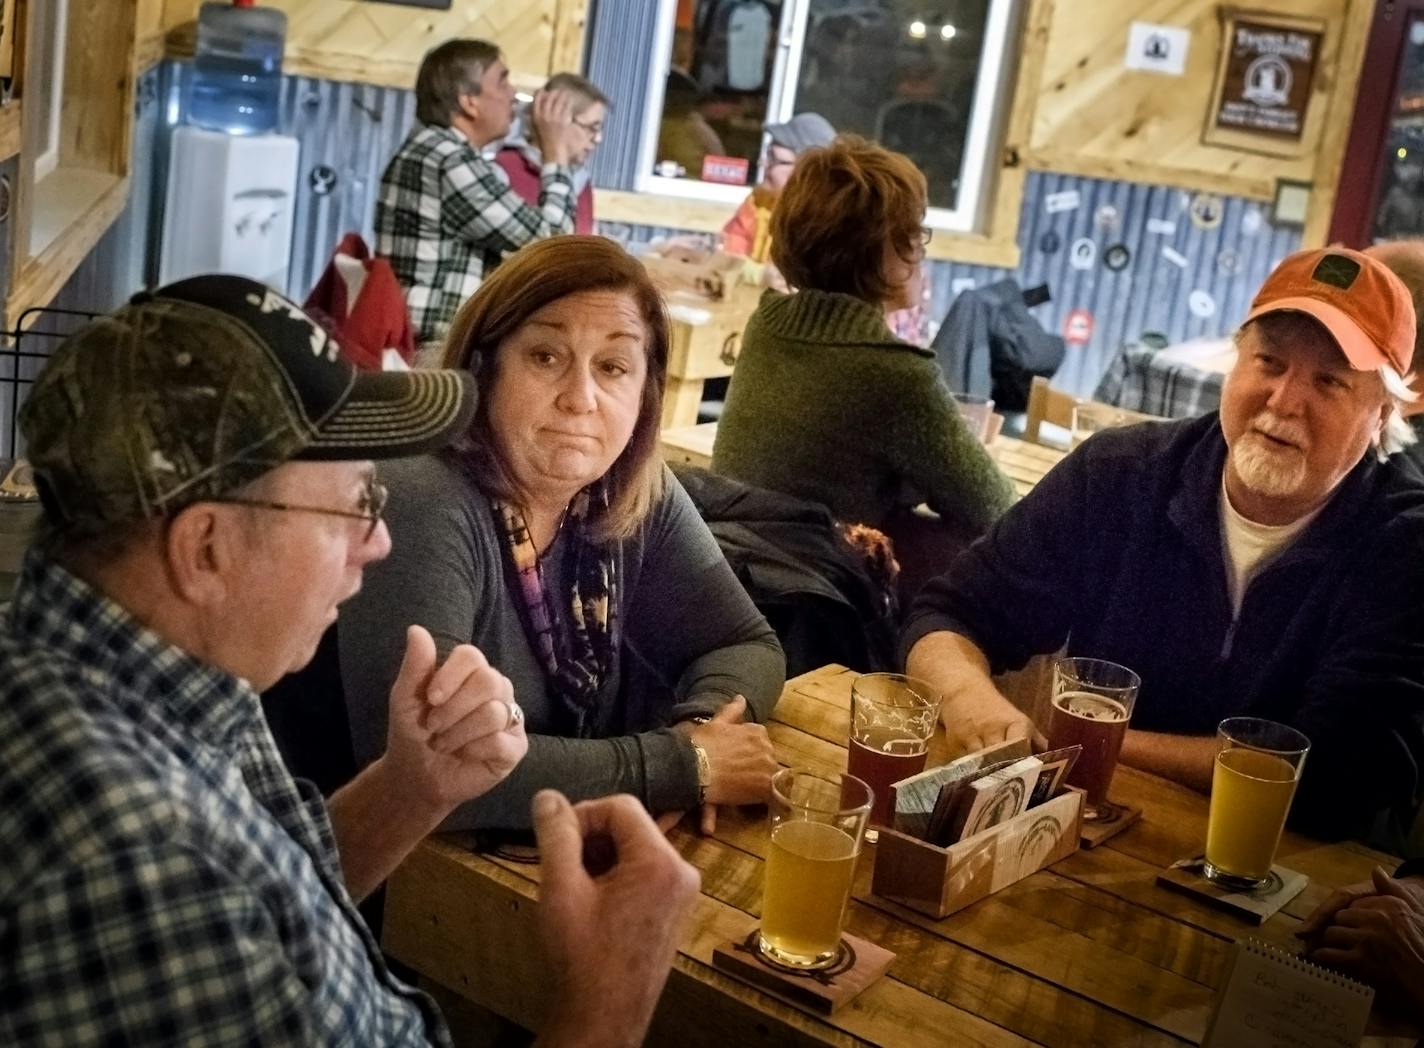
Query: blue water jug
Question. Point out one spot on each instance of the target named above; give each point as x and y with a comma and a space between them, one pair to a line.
237, 68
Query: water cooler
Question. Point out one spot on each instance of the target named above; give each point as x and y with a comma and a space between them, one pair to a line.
231, 180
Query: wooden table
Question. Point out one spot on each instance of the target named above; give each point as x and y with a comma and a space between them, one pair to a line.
1023, 461
690, 444
1088, 952
706, 338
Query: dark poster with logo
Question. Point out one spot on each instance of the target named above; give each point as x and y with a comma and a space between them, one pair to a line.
1266, 77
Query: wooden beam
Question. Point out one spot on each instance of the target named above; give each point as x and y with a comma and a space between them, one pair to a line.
1330, 160
34, 282
10, 121
705, 216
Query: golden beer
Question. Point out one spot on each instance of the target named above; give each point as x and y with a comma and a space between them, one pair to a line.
808, 876
817, 824
1251, 795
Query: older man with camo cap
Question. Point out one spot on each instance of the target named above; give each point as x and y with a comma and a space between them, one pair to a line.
1266, 561
203, 455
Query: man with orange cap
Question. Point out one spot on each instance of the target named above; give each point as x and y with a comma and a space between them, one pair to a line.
1265, 561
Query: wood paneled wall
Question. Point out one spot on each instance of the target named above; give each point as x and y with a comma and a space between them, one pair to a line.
1094, 117
379, 43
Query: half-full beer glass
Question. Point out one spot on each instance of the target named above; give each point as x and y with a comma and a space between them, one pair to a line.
1092, 704
892, 718
817, 824
1252, 784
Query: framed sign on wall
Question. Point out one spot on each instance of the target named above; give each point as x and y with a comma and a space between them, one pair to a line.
1266, 83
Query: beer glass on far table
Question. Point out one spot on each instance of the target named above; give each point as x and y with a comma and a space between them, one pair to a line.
1252, 784
1090, 417
892, 718
978, 414
1092, 704
817, 824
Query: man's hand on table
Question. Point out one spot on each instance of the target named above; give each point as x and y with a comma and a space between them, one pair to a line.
613, 896
974, 713
1374, 933
974, 723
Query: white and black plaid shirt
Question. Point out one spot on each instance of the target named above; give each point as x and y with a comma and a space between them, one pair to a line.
165, 881
446, 216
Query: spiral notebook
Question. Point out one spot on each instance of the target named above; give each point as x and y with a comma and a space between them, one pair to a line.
1273, 999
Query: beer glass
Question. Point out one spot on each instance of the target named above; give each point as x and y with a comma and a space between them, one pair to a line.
892, 717
1091, 417
977, 412
1252, 784
1092, 704
817, 824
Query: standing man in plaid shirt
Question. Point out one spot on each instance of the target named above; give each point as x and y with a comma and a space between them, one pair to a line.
446, 214
203, 459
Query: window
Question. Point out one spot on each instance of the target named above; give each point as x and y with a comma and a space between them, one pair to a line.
928, 78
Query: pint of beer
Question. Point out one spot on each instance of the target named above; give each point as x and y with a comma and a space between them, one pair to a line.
1252, 785
817, 825
1092, 705
892, 718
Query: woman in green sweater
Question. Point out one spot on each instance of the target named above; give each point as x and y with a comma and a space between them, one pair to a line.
826, 403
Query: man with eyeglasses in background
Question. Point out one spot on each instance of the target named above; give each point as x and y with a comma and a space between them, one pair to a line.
446, 213
522, 153
203, 456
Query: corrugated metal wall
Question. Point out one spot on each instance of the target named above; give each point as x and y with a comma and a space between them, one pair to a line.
1152, 293
621, 37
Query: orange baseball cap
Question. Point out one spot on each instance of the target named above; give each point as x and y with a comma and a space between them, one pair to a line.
1364, 306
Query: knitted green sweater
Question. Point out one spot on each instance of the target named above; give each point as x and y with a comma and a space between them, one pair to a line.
827, 405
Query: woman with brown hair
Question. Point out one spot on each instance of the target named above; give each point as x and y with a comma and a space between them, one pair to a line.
555, 541
825, 403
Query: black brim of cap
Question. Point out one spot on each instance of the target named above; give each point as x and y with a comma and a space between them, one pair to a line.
393, 414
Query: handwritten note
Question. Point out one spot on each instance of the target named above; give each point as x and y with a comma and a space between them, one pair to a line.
1271, 999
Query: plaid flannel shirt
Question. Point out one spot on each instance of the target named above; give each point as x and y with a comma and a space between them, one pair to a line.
165, 881
446, 216
1140, 380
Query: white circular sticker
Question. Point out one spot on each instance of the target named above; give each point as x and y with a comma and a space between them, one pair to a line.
1201, 304
1083, 253
1107, 218
1251, 221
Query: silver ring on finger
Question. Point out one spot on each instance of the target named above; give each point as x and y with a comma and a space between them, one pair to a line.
516, 715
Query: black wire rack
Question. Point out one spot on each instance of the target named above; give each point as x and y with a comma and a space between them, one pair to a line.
37, 333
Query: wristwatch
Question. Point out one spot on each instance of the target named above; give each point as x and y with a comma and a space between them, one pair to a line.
704, 772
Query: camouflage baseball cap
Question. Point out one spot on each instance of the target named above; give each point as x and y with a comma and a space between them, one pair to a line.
191, 391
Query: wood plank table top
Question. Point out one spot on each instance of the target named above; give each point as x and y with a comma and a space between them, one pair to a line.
1087, 952
1024, 462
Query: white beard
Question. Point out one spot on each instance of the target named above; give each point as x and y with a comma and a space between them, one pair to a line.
1275, 473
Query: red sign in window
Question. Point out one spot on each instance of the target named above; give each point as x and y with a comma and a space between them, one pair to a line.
731, 170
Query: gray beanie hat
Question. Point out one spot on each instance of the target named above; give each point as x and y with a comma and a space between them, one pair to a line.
802, 132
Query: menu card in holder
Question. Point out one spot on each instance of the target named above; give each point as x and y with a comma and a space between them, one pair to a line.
1271, 998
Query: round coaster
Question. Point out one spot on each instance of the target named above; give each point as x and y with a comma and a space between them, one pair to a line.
844, 960
1104, 814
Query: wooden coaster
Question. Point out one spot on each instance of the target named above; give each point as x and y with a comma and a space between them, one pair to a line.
860, 964
1283, 885
1116, 818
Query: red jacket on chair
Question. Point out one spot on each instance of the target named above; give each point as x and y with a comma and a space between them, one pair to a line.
360, 297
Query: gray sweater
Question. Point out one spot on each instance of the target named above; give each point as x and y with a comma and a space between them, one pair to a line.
691, 640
